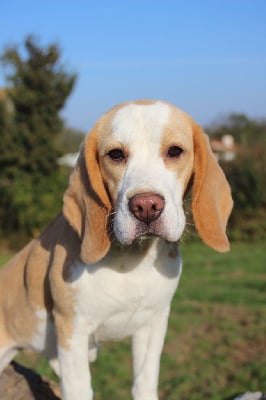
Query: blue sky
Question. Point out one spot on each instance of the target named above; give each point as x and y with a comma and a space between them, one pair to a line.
208, 57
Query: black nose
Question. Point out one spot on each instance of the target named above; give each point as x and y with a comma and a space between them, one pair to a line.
146, 207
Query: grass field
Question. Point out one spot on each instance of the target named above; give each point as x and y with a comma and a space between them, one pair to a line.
216, 341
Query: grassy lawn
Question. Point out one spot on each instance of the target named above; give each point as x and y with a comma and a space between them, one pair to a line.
216, 341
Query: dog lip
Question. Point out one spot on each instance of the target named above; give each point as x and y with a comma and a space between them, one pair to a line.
143, 231
151, 230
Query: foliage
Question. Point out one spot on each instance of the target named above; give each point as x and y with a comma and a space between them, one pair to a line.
29, 202
246, 131
70, 139
31, 179
246, 175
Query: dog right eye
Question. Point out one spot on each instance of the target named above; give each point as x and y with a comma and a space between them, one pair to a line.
116, 155
174, 152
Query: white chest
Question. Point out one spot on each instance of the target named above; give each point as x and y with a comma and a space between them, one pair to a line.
124, 291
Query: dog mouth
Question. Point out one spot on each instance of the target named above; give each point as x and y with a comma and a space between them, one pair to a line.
148, 231
141, 231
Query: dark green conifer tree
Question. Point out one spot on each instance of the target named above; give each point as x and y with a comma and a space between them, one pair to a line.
37, 89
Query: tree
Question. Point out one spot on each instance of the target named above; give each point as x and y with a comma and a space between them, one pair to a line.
38, 87
38, 91
246, 131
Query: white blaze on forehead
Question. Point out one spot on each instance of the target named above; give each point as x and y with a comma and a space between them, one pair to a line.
131, 122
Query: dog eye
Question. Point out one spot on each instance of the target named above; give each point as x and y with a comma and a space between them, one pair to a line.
116, 155
174, 152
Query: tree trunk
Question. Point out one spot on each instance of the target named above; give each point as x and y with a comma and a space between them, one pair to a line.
20, 383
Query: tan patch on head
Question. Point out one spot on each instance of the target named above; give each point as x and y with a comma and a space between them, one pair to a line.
178, 132
111, 171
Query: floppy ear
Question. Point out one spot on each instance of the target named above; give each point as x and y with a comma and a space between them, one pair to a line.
211, 198
86, 203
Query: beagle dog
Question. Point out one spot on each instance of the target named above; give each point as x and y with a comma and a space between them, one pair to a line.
108, 265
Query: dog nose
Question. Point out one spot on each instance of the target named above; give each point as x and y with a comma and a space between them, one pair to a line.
146, 207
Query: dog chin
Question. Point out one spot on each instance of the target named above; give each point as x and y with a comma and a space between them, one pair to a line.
141, 236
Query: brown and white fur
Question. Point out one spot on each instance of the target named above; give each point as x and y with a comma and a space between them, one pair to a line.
91, 276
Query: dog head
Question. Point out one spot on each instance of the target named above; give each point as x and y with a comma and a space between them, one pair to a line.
133, 171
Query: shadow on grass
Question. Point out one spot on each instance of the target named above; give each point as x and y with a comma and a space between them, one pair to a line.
40, 388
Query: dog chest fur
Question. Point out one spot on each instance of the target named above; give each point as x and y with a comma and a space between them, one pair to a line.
130, 290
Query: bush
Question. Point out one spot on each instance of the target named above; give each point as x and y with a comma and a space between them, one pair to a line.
29, 202
247, 177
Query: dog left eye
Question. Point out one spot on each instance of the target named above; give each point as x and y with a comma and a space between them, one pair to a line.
116, 155
174, 152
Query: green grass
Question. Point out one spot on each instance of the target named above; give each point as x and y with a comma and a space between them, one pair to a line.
216, 341
4, 259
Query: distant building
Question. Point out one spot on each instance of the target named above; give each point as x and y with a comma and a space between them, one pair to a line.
224, 148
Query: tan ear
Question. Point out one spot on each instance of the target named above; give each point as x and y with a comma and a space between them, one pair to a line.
86, 203
211, 199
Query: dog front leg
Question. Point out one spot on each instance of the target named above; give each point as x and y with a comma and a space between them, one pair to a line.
147, 347
73, 362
